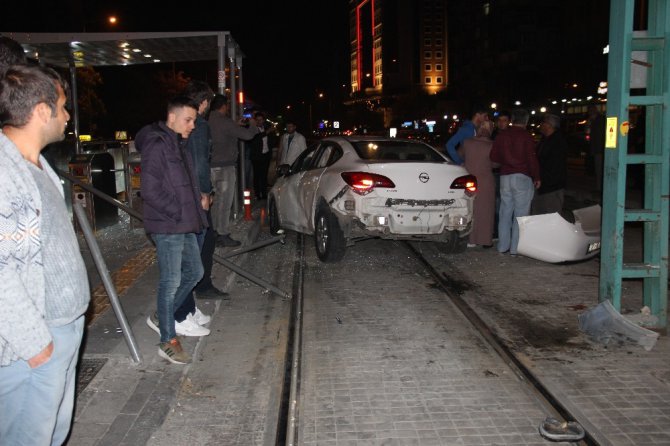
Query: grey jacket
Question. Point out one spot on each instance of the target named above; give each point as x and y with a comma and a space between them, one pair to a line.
225, 135
23, 329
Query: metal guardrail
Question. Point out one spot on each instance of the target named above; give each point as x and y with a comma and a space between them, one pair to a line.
104, 272
107, 281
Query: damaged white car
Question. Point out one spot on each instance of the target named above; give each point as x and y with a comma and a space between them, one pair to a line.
346, 189
550, 238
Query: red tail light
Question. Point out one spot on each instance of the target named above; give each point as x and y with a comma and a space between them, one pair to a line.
467, 182
137, 169
363, 183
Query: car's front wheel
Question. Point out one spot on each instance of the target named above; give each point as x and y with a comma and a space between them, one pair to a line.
273, 215
328, 236
454, 243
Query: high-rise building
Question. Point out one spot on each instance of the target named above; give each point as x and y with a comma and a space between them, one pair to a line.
398, 47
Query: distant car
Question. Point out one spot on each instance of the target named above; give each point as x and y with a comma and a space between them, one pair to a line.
344, 189
550, 238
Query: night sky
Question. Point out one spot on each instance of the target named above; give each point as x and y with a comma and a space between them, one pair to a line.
294, 49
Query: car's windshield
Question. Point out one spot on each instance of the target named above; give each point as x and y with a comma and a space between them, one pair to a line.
396, 151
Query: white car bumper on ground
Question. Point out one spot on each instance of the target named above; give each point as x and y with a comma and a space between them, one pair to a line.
550, 238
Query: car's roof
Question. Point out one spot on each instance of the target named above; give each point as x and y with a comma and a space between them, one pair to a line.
363, 138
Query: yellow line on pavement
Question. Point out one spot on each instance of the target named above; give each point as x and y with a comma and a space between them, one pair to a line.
123, 279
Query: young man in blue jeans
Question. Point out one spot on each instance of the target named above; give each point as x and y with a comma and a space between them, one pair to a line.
173, 215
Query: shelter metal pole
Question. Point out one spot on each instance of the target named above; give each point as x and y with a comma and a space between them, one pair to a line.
236, 114
243, 161
75, 106
223, 39
107, 281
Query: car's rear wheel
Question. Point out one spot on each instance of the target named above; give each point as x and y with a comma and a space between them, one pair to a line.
328, 236
273, 215
454, 243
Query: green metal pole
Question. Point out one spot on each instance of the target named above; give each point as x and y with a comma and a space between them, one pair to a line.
614, 172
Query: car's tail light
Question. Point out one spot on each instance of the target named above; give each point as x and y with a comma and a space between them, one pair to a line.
467, 182
363, 183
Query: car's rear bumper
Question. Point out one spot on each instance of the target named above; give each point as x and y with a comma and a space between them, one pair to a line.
406, 218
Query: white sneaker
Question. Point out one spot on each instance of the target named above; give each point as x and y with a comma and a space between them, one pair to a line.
199, 317
188, 327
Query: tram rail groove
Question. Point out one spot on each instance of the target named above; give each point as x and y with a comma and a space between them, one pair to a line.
288, 415
543, 395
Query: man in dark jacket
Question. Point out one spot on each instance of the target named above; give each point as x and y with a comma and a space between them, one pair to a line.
199, 145
261, 153
173, 215
552, 154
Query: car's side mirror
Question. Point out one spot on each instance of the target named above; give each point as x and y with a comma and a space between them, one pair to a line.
283, 170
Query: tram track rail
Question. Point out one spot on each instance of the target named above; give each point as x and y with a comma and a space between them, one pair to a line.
289, 411
288, 425
542, 394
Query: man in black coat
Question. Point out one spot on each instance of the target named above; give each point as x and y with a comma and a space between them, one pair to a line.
552, 154
261, 154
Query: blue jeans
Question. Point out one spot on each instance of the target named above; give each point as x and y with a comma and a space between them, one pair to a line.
188, 305
36, 405
516, 194
180, 269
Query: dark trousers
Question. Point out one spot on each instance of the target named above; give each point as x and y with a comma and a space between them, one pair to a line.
261, 166
206, 240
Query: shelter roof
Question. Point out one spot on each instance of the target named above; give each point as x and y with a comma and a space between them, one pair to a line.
115, 49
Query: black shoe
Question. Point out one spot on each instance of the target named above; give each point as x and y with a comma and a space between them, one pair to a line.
226, 240
212, 293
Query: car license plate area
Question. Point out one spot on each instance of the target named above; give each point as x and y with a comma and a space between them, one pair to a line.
416, 222
595, 246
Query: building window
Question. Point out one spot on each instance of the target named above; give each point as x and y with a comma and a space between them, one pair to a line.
427, 42
427, 54
438, 67
428, 67
427, 29
438, 80
438, 54
429, 80
438, 42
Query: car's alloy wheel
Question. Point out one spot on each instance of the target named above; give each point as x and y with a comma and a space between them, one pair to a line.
328, 237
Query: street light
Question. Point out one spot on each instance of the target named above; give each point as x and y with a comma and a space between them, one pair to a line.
112, 20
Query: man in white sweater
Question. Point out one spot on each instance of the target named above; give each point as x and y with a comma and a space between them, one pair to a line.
291, 145
44, 288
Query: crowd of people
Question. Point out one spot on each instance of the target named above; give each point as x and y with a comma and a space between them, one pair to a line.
516, 176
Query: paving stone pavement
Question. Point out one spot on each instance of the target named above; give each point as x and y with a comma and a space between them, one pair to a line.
621, 393
409, 376
388, 360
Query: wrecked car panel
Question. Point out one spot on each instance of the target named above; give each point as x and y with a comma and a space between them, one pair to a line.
550, 238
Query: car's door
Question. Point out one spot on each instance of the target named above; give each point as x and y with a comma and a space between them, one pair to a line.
289, 203
309, 182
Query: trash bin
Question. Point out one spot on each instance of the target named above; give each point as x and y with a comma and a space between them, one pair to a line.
133, 186
97, 170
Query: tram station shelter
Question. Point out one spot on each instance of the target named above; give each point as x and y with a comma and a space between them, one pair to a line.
72, 50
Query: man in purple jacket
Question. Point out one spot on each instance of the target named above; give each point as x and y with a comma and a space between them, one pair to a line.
173, 215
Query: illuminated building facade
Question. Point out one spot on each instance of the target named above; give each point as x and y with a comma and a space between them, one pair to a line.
398, 47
